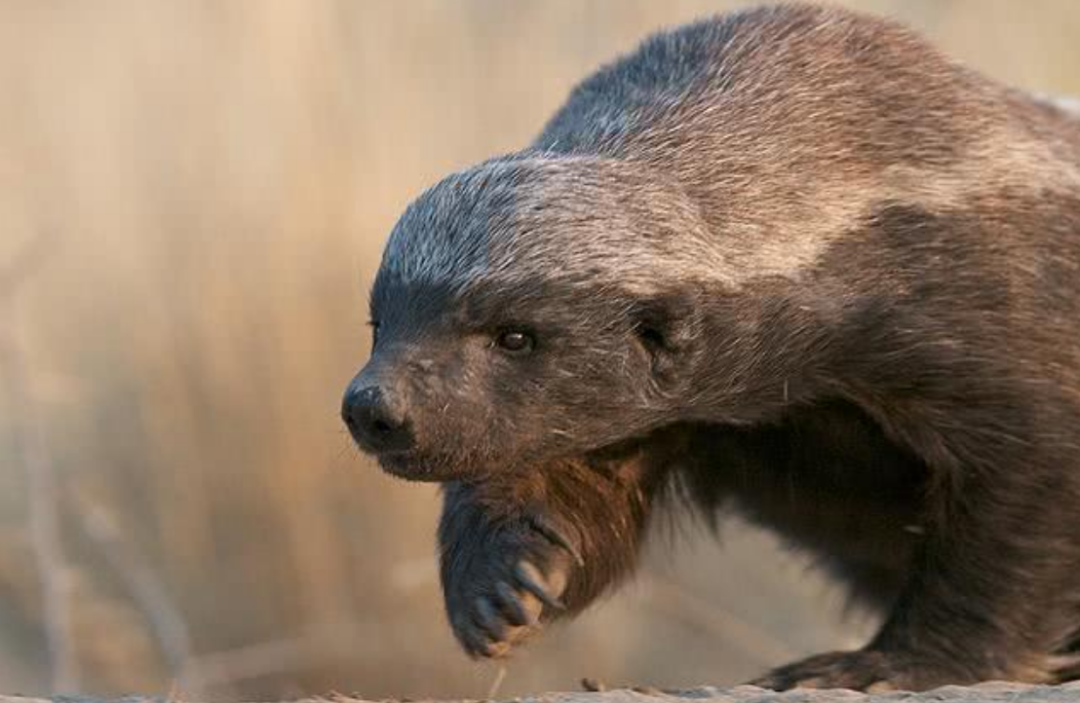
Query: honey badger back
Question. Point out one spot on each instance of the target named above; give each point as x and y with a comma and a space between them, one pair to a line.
791, 262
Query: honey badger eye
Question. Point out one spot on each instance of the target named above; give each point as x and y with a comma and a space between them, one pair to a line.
515, 341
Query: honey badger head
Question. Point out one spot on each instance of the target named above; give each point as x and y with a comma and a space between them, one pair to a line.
530, 307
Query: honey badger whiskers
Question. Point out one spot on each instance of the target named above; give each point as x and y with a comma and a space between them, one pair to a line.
791, 263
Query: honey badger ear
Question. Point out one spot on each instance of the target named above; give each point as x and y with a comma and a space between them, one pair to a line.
665, 328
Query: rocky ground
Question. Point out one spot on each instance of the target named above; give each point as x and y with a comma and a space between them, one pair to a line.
995, 692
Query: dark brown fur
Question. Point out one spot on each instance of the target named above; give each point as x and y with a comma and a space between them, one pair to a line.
791, 263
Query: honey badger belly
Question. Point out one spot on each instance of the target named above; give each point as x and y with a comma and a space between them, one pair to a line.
791, 262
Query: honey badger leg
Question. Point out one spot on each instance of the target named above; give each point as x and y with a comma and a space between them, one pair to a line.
989, 594
519, 550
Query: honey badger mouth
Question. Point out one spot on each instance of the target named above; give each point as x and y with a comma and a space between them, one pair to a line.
418, 465
413, 465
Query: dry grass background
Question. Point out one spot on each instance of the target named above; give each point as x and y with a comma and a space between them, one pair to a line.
216, 180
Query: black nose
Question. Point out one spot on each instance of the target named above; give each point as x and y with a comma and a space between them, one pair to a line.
373, 422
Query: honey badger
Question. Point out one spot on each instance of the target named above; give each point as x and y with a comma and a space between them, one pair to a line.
791, 263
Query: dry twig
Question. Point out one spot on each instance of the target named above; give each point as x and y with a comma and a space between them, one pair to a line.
32, 452
145, 588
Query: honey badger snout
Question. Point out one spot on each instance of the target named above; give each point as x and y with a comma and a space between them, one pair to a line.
376, 421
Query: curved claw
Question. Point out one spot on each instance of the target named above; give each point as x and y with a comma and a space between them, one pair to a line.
488, 620
474, 641
496, 650
516, 612
533, 581
554, 535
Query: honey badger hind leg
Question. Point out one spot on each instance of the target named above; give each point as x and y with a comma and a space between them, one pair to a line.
991, 590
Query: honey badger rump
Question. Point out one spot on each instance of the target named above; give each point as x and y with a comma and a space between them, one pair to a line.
792, 263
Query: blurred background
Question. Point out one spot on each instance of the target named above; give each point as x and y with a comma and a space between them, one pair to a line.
193, 198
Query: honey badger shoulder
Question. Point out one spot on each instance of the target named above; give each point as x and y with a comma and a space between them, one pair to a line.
791, 262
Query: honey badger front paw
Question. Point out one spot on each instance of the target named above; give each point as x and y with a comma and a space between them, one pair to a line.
499, 585
861, 670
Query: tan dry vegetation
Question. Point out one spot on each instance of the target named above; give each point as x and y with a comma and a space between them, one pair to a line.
217, 179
